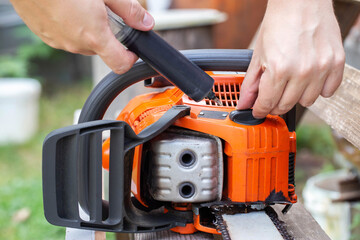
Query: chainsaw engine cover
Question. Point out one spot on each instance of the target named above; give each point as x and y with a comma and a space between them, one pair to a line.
258, 154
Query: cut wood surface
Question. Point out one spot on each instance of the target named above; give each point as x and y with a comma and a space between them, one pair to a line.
300, 224
342, 110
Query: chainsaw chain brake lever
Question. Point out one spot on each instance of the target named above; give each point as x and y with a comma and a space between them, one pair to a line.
72, 177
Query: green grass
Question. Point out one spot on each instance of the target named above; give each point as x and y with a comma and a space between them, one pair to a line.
317, 138
20, 169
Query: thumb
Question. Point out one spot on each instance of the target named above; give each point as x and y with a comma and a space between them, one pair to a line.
132, 13
250, 87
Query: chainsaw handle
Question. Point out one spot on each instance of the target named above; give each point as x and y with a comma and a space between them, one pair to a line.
72, 174
113, 84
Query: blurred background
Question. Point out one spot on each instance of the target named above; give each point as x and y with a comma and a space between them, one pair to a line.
41, 88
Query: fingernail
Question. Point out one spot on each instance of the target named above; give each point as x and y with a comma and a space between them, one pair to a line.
148, 20
255, 115
240, 104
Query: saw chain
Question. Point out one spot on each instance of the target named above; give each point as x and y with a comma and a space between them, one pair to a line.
219, 210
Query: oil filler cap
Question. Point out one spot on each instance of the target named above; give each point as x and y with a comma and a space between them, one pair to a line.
245, 117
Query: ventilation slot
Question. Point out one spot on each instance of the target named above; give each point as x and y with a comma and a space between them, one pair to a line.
228, 93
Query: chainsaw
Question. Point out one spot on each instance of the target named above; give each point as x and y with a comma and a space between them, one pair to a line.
172, 162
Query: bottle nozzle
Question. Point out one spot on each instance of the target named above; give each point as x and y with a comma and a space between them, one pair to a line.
211, 95
217, 101
116, 23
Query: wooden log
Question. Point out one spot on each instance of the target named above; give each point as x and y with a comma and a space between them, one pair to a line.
342, 110
300, 224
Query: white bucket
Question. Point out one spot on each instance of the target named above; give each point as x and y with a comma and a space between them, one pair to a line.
334, 218
158, 5
19, 108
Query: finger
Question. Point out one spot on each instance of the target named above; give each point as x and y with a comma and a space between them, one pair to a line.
335, 77
115, 55
250, 85
290, 96
270, 91
133, 13
73, 48
313, 90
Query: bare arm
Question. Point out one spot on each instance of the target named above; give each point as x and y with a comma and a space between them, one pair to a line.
297, 57
81, 26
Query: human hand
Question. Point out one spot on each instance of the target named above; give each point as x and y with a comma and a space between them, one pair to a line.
81, 26
297, 57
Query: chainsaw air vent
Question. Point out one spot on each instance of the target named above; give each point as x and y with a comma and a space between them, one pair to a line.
228, 93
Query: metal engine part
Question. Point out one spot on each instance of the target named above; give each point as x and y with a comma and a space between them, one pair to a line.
186, 166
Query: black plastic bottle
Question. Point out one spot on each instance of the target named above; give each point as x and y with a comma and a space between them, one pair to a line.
164, 59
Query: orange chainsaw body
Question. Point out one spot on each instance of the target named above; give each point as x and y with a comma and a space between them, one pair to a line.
256, 157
